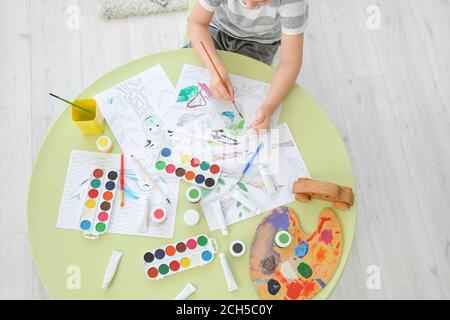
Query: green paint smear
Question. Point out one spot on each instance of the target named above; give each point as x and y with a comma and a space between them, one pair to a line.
187, 94
100, 227
305, 270
163, 269
237, 129
243, 186
202, 241
160, 165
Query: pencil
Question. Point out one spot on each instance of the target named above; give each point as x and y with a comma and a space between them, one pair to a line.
71, 103
122, 181
221, 79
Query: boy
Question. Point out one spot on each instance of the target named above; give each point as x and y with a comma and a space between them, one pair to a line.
255, 28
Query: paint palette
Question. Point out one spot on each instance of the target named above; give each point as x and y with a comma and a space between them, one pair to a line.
98, 203
177, 257
188, 168
304, 266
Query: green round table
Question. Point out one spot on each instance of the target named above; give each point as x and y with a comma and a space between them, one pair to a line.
60, 255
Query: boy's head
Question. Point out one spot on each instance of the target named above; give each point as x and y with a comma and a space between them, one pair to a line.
252, 4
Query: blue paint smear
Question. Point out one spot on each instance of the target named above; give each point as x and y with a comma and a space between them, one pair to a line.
322, 284
301, 249
130, 193
279, 220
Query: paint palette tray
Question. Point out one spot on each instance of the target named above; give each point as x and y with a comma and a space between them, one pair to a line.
98, 204
192, 252
188, 168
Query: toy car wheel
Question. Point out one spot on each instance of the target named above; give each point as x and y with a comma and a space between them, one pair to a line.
341, 206
303, 197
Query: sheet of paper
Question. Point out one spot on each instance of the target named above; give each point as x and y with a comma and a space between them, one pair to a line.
194, 110
133, 110
284, 162
123, 220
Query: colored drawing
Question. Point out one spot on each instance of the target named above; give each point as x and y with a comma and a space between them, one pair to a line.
283, 164
195, 111
301, 269
197, 101
187, 93
183, 255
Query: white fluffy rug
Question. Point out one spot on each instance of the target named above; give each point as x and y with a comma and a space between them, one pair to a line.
113, 9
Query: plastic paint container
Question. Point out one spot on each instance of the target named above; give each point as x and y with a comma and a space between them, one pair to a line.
191, 217
237, 248
104, 144
283, 239
194, 194
159, 215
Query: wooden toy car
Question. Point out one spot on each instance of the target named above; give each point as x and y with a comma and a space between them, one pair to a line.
306, 189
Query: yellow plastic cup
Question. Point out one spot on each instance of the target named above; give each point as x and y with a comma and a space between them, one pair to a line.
90, 124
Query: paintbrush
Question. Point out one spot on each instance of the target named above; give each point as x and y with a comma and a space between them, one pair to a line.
221, 79
250, 162
122, 181
148, 177
71, 103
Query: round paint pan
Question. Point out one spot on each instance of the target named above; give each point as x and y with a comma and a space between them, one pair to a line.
158, 215
283, 239
191, 217
237, 248
194, 194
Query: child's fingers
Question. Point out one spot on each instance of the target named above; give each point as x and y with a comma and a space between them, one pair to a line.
223, 92
230, 89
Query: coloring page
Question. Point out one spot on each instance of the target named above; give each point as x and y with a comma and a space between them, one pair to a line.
283, 161
195, 111
123, 220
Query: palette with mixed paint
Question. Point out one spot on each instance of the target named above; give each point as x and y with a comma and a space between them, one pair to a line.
177, 257
298, 266
98, 203
188, 168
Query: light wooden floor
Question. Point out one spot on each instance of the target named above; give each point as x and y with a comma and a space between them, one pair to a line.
387, 91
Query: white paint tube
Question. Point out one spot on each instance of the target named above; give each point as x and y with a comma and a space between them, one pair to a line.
218, 212
231, 282
268, 182
238, 196
186, 292
112, 268
143, 225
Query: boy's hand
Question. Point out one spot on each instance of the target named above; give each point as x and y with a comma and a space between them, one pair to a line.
262, 121
222, 90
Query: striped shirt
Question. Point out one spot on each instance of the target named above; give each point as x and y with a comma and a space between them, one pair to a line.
263, 24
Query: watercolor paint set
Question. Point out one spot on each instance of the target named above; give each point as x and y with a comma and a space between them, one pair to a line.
192, 252
188, 168
98, 203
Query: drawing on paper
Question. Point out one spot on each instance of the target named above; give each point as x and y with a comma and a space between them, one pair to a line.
289, 162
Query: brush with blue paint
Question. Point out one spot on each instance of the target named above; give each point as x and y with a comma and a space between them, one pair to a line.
250, 162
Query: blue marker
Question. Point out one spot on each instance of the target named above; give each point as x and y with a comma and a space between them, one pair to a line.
250, 162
